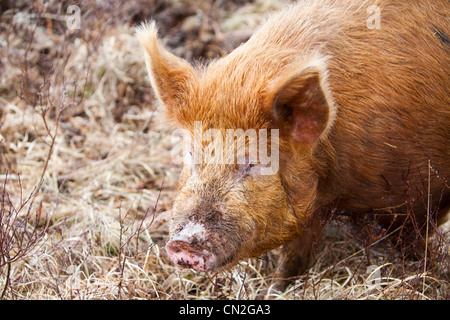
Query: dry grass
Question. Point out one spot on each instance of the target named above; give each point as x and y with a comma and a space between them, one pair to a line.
86, 176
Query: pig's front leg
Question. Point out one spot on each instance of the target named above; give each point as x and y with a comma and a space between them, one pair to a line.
295, 259
297, 256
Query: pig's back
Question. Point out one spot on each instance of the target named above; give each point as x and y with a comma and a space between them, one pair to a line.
392, 89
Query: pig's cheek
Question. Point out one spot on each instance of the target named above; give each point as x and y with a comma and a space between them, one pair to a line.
182, 206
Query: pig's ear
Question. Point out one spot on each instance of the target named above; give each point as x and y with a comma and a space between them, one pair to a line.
171, 77
301, 101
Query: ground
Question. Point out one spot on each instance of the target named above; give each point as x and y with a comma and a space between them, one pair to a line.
86, 175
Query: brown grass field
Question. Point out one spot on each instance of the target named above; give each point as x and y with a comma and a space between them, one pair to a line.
87, 182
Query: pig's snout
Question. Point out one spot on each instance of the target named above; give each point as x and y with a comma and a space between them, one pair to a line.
186, 248
184, 255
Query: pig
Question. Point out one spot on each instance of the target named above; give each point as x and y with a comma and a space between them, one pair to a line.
357, 93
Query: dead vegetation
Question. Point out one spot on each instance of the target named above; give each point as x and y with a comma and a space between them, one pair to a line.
87, 180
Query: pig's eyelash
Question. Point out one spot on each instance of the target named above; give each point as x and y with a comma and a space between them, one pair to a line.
244, 171
249, 167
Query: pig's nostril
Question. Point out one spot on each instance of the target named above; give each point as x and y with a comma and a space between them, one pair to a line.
184, 255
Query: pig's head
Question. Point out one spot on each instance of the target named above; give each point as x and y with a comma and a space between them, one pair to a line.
230, 210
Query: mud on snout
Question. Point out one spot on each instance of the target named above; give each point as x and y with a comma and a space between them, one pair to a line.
201, 247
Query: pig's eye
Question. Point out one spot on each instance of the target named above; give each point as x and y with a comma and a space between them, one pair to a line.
244, 170
249, 167
253, 169
257, 170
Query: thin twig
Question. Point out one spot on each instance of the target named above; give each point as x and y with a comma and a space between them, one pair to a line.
8, 274
426, 233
